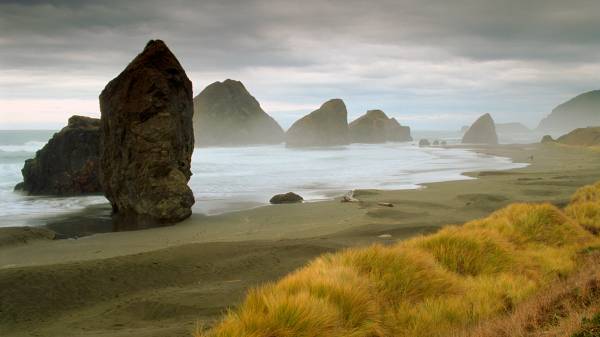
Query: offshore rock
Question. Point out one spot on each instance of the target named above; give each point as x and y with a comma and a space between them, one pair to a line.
148, 138
326, 126
68, 163
483, 131
376, 127
225, 114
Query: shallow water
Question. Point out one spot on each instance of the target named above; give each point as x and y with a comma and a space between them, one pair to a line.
226, 179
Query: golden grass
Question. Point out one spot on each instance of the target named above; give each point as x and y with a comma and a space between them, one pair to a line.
433, 285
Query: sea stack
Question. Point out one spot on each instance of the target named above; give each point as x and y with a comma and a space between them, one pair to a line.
483, 131
68, 164
225, 114
148, 138
326, 126
376, 127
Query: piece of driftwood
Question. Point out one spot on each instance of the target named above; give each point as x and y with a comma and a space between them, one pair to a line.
349, 197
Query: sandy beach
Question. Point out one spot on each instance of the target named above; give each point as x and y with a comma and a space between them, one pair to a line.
165, 281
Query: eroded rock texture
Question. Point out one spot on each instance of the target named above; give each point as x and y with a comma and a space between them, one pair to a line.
148, 138
68, 163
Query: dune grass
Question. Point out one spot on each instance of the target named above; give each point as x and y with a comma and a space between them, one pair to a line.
427, 286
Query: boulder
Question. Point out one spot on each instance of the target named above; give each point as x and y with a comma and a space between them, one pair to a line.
148, 138
287, 198
68, 164
376, 127
326, 126
424, 143
483, 131
225, 114
579, 112
581, 137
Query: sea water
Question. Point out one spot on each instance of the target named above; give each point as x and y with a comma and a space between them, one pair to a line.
234, 178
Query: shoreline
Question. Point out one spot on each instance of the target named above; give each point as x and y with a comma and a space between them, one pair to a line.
97, 217
167, 278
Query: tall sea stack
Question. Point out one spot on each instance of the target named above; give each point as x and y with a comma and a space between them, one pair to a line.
148, 138
226, 114
483, 131
326, 126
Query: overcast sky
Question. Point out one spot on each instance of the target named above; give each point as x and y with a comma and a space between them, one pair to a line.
431, 64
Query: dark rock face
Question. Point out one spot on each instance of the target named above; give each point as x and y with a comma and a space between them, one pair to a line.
579, 112
547, 139
326, 126
483, 131
226, 114
286, 198
68, 164
376, 127
148, 138
581, 137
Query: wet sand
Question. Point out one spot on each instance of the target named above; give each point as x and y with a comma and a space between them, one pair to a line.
162, 281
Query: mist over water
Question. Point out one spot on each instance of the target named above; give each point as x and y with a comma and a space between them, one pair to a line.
235, 178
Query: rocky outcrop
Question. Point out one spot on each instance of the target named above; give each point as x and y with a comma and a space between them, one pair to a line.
395, 132
483, 131
326, 126
68, 163
581, 137
579, 112
287, 198
376, 127
148, 138
547, 139
424, 143
226, 114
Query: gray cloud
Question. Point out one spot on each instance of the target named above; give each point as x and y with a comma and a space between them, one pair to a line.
409, 57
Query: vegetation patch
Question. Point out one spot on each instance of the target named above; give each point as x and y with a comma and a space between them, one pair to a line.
435, 285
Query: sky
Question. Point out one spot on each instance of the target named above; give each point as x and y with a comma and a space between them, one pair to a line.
432, 64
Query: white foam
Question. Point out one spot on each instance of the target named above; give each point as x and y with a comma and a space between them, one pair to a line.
226, 179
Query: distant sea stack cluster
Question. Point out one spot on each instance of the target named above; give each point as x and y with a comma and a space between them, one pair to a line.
148, 138
225, 114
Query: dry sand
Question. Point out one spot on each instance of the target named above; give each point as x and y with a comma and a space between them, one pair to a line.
162, 281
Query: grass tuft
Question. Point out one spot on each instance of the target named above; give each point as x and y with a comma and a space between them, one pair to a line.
427, 286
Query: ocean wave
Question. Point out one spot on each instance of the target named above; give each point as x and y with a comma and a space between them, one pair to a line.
29, 147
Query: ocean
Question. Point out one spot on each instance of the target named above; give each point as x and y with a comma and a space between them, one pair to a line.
233, 178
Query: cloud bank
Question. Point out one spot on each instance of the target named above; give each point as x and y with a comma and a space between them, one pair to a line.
433, 64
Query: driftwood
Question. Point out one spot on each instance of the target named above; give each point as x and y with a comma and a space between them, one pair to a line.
349, 197
385, 204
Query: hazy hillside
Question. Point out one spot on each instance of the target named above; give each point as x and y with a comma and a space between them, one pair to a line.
581, 111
